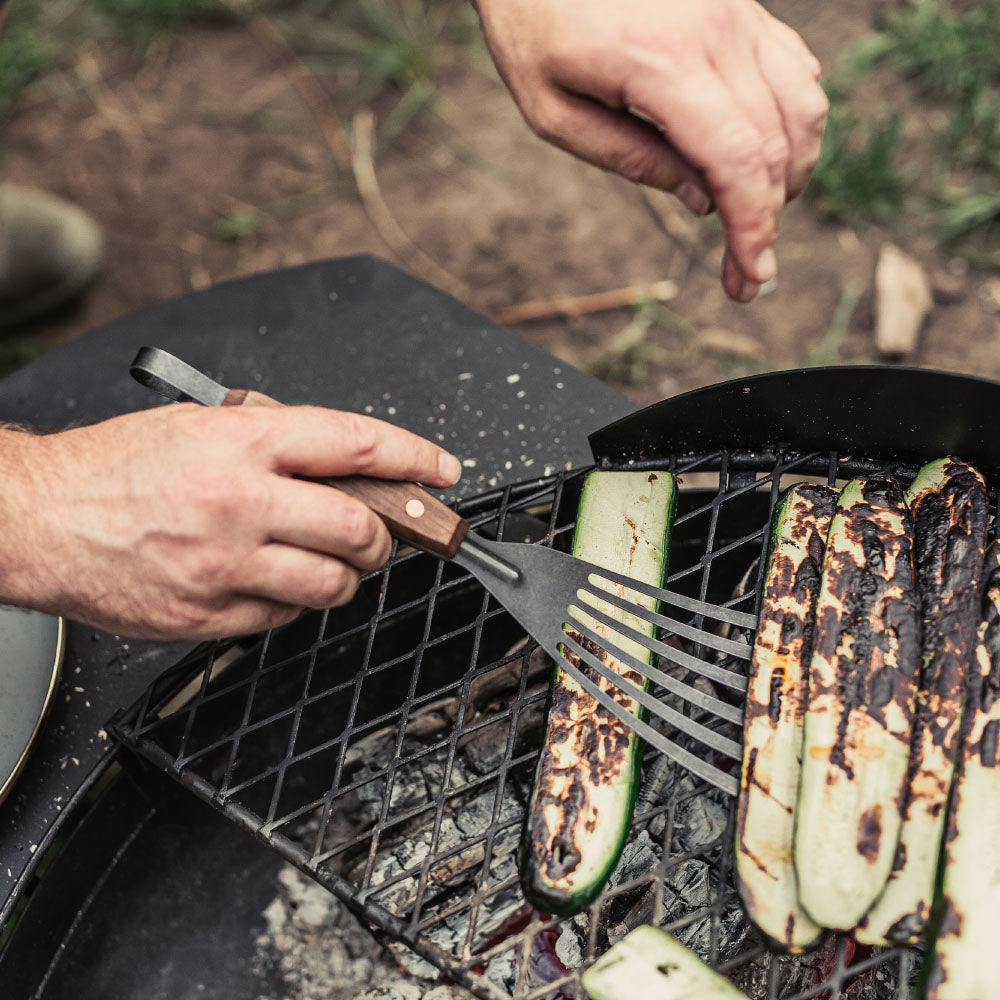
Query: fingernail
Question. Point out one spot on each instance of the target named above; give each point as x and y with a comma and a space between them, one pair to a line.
767, 265
748, 290
694, 197
449, 468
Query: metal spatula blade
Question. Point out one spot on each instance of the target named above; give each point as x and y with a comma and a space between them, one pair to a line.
570, 607
557, 598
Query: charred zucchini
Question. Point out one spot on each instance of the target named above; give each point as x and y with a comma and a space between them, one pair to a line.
950, 511
588, 769
648, 964
772, 728
859, 712
962, 964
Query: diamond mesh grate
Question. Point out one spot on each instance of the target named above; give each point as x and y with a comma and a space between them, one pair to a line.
387, 750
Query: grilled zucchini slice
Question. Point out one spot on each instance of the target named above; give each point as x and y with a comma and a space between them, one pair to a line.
950, 513
772, 728
588, 770
648, 964
860, 706
962, 964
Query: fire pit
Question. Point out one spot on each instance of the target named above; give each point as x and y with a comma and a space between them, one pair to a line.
387, 751
73, 825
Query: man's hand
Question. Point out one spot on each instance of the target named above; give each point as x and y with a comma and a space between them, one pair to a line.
716, 101
186, 522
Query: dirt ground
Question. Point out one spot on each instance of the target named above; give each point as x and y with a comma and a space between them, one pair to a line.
223, 123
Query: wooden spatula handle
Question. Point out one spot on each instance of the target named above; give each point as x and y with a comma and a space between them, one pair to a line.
409, 512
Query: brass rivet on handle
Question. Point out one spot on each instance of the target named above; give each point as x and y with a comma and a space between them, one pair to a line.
415, 508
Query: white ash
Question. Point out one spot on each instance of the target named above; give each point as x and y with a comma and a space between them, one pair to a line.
321, 952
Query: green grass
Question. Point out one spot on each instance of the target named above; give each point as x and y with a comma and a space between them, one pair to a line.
27, 52
378, 50
236, 227
38, 34
949, 62
859, 178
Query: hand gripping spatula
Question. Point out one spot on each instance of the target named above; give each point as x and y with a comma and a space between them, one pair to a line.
553, 595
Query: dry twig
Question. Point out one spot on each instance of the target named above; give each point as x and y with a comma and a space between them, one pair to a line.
580, 305
383, 219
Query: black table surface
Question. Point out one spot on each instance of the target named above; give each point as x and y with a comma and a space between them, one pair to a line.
354, 333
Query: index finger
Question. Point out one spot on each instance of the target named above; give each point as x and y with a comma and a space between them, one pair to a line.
317, 442
705, 124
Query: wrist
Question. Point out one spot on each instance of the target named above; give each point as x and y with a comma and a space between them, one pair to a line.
25, 579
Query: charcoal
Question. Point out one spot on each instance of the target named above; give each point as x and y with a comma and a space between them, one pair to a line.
485, 749
474, 817
752, 978
501, 970
657, 784
688, 887
370, 797
400, 990
769, 976
420, 782
400, 896
732, 930
699, 820
638, 859
451, 934
571, 945
446, 993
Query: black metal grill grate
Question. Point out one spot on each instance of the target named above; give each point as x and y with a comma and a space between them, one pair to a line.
387, 750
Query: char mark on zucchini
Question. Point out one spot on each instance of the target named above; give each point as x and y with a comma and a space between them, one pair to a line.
588, 769
775, 706
950, 512
859, 715
960, 963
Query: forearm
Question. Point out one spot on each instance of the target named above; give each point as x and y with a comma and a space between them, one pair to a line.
26, 550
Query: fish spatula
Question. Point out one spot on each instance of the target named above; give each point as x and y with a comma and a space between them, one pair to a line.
555, 596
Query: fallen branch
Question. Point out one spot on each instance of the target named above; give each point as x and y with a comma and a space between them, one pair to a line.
580, 305
383, 219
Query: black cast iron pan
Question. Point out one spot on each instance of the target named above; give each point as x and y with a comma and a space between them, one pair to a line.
900, 414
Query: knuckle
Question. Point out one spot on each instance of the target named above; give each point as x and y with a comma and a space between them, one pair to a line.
739, 148
360, 438
720, 19
218, 497
775, 151
207, 570
548, 120
815, 108
335, 583
360, 526
637, 163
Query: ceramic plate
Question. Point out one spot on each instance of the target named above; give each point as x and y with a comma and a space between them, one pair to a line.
31, 652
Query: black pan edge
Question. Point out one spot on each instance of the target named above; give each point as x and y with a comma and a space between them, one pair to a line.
902, 414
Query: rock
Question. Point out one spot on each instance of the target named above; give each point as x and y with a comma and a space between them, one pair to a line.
951, 283
989, 294
717, 340
902, 301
